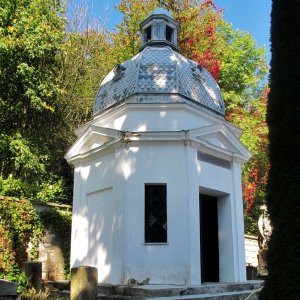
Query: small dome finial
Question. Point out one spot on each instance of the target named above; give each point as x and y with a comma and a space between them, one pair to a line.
162, 3
159, 28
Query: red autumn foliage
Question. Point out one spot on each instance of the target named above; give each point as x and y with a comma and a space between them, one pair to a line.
199, 40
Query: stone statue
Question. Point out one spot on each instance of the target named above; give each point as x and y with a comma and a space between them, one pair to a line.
264, 226
265, 230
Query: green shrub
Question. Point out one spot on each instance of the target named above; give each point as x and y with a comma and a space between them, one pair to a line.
21, 225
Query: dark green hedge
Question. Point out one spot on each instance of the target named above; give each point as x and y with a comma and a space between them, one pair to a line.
283, 117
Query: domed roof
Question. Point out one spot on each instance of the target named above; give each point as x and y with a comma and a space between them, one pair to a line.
159, 70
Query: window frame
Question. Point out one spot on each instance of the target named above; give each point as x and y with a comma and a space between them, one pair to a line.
165, 241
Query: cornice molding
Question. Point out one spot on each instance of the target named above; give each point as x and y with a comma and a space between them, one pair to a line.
194, 138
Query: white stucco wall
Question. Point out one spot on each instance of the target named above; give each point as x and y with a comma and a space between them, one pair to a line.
251, 250
165, 262
225, 185
97, 224
108, 216
108, 206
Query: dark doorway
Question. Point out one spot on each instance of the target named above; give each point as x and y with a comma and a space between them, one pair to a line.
209, 238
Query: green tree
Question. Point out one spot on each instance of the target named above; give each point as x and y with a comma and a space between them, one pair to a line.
31, 37
87, 56
127, 39
84, 63
199, 35
255, 171
242, 72
283, 257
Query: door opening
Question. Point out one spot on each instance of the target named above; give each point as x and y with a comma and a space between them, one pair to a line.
209, 238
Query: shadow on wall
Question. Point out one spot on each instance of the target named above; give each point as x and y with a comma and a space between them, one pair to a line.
102, 234
98, 220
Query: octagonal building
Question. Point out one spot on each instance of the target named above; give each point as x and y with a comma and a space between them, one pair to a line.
157, 172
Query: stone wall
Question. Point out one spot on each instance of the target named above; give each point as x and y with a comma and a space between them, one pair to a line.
51, 256
50, 249
251, 250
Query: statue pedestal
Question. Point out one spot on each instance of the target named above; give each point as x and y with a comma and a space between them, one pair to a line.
265, 230
84, 283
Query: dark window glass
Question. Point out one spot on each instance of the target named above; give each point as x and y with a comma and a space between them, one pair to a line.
169, 33
155, 213
148, 34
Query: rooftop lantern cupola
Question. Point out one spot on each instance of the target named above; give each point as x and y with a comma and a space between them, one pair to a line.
159, 29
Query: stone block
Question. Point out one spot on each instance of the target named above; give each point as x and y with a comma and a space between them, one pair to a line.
8, 289
46, 265
60, 276
56, 255
84, 281
47, 238
43, 256
45, 275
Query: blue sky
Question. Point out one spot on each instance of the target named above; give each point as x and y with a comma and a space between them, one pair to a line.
251, 16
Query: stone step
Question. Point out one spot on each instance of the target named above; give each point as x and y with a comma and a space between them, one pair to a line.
216, 291
58, 284
119, 297
205, 291
237, 295
240, 295
141, 291
155, 291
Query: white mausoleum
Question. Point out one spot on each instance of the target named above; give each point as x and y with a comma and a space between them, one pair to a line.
157, 181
